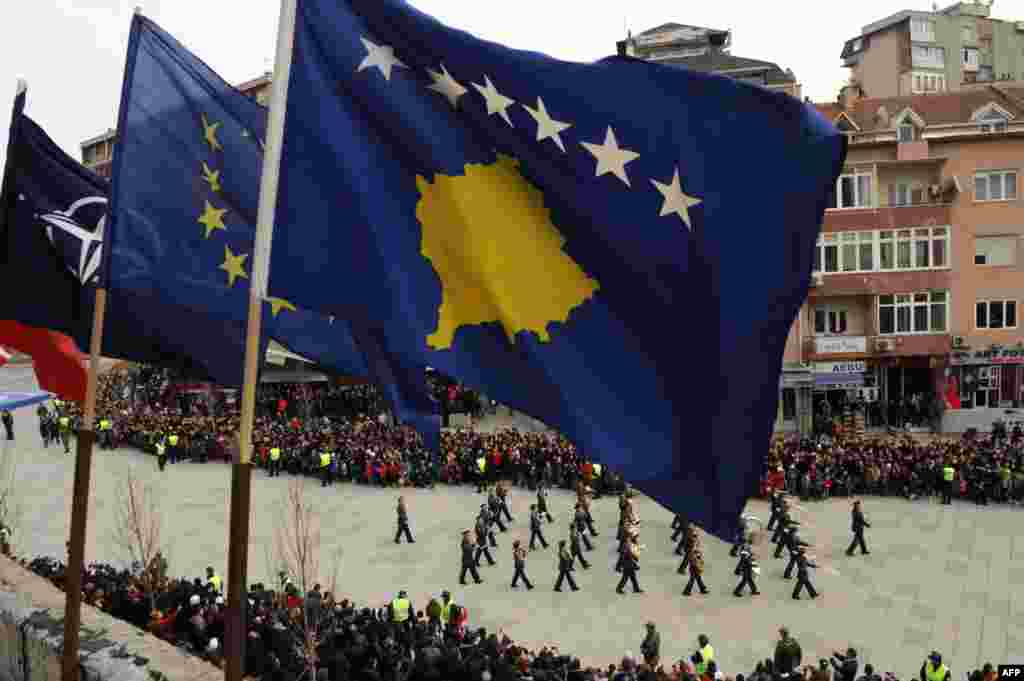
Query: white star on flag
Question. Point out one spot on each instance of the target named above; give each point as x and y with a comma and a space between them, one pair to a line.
547, 127
675, 200
446, 85
381, 56
610, 157
497, 103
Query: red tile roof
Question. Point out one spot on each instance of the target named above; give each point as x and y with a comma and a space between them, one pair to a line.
937, 109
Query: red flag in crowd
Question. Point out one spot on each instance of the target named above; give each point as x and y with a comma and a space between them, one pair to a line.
55, 357
952, 393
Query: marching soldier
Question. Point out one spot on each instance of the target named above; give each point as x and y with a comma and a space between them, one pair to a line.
787, 527
565, 567
690, 542
503, 500
403, 523
542, 502
585, 505
794, 544
696, 572
785, 522
741, 536
574, 543
776, 502
519, 557
494, 509
488, 520
746, 569
859, 523
535, 528
468, 559
481, 541
803, 575
580, 520
630, 564
679, 525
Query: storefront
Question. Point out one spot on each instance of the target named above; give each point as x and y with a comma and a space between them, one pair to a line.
836, 388
795, 391
981, 386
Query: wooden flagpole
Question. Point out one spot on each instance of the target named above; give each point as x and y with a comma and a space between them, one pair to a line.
241, 475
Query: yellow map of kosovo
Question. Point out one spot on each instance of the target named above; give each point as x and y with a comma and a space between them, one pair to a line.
491, 241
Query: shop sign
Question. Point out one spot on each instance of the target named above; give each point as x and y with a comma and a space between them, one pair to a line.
835, 345
855, 367
990, 356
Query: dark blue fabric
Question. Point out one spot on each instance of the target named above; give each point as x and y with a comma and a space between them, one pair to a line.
39, 274
669, 371
161, 189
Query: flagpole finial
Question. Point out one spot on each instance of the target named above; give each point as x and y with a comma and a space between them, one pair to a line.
22, 86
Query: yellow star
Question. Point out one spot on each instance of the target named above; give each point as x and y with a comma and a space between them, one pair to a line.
277, 304
233, 266
212, 177
210, 134
213, 218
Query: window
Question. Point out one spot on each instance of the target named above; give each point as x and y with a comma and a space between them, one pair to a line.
985, 73
922, 30
995, 185
929, 57
886, 257
928, 82
829, 320
845, 252
969, 57
899, 194
995, 250
907, 132
913, 313
906, 249
853, 191
995, 314
992, 121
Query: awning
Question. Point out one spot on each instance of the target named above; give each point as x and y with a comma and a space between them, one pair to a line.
839, 380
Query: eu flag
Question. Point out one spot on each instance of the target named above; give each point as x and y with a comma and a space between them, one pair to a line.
53, 214
185, 192
616, 248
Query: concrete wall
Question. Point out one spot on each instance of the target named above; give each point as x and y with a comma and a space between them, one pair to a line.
32, 632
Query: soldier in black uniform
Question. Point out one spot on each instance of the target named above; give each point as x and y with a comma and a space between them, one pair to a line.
494, 510
741, 537
580, 521
488, 522
535, 528
519, 557
679, 525
630, 564
785, 520
565, 567
776, 502
468, 559
403, 523
786, 527
794, 544
748, 561
481, 540
859, 523
503, 501
542, 502
589, 519
574, 542
802, 575
696, 572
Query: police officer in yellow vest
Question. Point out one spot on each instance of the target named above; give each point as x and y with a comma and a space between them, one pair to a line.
274, 465
213, 580
401, 610
481, 468
948, 476
105, 433
706, 652
446, 608
325, 468
65, 432
172, 448
161, 454
933, 669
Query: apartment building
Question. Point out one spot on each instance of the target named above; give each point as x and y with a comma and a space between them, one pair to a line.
919, 269
914, 52
707, 50
98, 151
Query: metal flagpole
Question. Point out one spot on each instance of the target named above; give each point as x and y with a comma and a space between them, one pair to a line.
241, 474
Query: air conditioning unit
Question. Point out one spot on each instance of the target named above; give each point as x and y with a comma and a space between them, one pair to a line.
935, 190
959, 342
883, 345
817, 279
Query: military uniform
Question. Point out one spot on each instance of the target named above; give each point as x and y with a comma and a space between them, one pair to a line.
794, 544
468, 560
542, 503
776, 503
630, 564
481, 542
803, 575
504, 502
696, 573
403, 523
741, 536
858, 524
519, 559
580, 521
679, 526
494, 509
574, 543
565, 568
535, 529
745, 569
690, 543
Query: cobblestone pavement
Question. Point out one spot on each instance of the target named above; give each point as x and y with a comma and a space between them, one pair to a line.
944, 578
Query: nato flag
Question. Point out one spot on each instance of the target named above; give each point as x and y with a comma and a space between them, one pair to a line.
616, 248
52, 218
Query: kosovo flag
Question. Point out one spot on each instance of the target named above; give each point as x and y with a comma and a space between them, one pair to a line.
185, 192
616, 248
53, 214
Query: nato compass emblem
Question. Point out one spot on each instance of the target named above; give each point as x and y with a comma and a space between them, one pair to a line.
67, 233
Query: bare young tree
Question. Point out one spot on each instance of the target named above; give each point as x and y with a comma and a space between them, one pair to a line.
137, 531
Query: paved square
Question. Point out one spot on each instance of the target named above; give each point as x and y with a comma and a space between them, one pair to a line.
913, 594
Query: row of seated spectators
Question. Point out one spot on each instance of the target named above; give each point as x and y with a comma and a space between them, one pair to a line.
291, 635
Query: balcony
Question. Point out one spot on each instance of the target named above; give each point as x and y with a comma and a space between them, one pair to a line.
839, 348
889, 217
880, 283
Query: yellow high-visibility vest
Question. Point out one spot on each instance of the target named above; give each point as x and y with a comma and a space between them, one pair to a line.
947, 473
446, 611
275, 453
400, 607
104, 424
481, 463
707, 654
160, 448
64, 421
172, 440
215, 582
325, 459
935, 673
